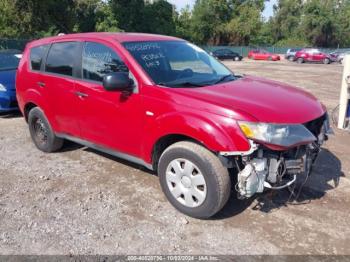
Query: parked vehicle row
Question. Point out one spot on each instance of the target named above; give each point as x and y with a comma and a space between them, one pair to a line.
166, 104
314, 55
256, 54
299, 55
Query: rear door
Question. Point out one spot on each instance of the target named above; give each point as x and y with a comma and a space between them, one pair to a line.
34, 77
58, 80
313, 55
318, 56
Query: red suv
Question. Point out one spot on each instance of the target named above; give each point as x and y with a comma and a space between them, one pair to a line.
166, 104
312, 55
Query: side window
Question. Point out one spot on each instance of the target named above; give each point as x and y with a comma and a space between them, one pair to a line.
37, 56
61, 58
100, 60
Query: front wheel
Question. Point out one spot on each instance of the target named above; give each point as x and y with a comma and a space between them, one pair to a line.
291, 58
326, 61
41, 132
193, 179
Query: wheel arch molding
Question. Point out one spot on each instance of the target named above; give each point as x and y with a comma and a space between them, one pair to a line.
33, 98
216, 133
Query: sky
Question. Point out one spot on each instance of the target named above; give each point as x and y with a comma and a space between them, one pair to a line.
182, 3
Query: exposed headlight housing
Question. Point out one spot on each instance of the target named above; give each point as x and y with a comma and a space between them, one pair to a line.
2, 88
277, 134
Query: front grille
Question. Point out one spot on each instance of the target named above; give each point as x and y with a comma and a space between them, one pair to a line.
315, 125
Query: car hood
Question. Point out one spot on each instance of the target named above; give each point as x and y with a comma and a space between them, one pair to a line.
8, 78
266, 100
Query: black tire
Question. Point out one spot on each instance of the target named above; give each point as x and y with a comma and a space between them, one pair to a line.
215, 174
41, 132
326, 61
291, 58
300, 60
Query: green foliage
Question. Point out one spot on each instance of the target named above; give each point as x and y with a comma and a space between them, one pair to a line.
158, 18
208, 21
323, 23
183, 26
318, 22
292, 42
105, 19
245, 26
129, 14
342, 24
285, 22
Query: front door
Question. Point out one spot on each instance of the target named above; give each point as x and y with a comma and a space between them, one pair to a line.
108, 118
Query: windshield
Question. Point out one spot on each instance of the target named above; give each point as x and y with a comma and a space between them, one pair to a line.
178, 64
9, 61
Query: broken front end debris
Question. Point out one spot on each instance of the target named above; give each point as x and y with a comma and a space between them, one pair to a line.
279, 154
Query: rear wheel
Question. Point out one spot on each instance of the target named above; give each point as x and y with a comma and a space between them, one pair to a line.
269, 58
193, 179
300, 60
291, 58
42, 133
236, 58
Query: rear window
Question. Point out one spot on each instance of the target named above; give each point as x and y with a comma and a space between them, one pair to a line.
61, 58
9, 61
36, 56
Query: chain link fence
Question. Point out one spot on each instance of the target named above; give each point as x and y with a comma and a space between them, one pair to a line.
18, 44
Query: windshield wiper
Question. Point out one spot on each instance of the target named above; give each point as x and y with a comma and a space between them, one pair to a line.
224, 78
182, 84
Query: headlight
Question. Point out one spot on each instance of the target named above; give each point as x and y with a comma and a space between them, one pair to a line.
277, 134
2, 88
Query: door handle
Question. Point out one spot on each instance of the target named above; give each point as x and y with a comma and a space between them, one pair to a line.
81, 95
41, 84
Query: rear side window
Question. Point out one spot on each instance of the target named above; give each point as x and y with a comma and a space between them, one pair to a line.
62, 57
36, 56
100, 60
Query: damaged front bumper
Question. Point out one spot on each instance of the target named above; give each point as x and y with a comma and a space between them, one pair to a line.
262, 167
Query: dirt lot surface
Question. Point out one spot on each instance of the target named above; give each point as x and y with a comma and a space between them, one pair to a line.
79, 201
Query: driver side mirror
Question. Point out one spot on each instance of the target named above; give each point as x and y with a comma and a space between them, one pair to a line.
118, 82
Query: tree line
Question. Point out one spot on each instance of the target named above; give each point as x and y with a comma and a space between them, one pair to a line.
322, 23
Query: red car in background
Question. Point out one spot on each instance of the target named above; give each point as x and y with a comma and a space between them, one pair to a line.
263, 55
312, 55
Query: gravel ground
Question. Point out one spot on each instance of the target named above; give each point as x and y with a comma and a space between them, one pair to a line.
79, 201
